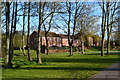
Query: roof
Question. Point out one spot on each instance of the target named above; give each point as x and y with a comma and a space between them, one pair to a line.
52, 34
77, 36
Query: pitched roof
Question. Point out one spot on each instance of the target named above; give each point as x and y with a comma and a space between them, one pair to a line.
50, 34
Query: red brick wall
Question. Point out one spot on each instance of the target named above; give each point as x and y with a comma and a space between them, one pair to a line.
65, 42
54, 41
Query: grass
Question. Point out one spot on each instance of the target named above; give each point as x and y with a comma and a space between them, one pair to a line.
59, 66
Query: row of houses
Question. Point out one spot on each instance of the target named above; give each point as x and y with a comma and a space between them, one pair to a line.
59, 40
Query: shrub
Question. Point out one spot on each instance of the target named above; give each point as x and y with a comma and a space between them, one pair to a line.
18, 63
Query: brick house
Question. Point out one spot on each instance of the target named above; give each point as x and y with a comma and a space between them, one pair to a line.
54, 39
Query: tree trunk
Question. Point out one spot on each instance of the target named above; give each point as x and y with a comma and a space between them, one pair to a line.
71, 53
20, 49
23, 33
23, 45
47, 49
39, 38
103, 28
8, 55
102, 47
11, 36
82, 45
46, 34
39, 50
14, 26
108, 28
69, 19
108, 45
28, 35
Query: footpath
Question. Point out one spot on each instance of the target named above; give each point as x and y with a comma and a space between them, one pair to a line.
111, 73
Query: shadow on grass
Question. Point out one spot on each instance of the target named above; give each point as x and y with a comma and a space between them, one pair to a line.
98, 53
115, 52
81, 60
62, 68
42, 79
112, 69
16, 54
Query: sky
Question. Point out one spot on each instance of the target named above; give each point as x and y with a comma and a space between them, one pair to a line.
35, 22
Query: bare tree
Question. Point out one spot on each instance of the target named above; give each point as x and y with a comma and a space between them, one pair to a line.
0, 28
23, 32
85, 23
8, 61
42, 19
11, 35
73, 10
111, 9
28, 35
103, 27
46, 33
108, 14
48, 25
39, 36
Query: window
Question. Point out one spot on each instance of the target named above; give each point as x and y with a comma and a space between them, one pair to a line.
77, 41
43, 38
58, 39
54, 38
50, 45
50, 39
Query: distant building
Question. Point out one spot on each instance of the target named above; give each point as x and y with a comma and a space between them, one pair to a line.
59, 40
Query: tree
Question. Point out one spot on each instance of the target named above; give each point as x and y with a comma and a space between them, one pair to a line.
86, 24
48, 25
39, 39
23, 32
72, 13
8, 55
111, 8
116, 36
75, 14
28, 35
14, 25
11, 35
108, 14
42, 19
0, 28
46, 33
103, 27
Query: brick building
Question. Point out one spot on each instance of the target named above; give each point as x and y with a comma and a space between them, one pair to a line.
59, 40
54, 39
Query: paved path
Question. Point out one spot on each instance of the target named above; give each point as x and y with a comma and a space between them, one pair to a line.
111, 73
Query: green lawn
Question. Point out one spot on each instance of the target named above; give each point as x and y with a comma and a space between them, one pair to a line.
59, 66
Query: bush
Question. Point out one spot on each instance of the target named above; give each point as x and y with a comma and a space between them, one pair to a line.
18, 63
75, 49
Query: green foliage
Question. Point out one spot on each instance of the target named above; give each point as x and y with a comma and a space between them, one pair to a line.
17, 40
75, 49
18, 63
